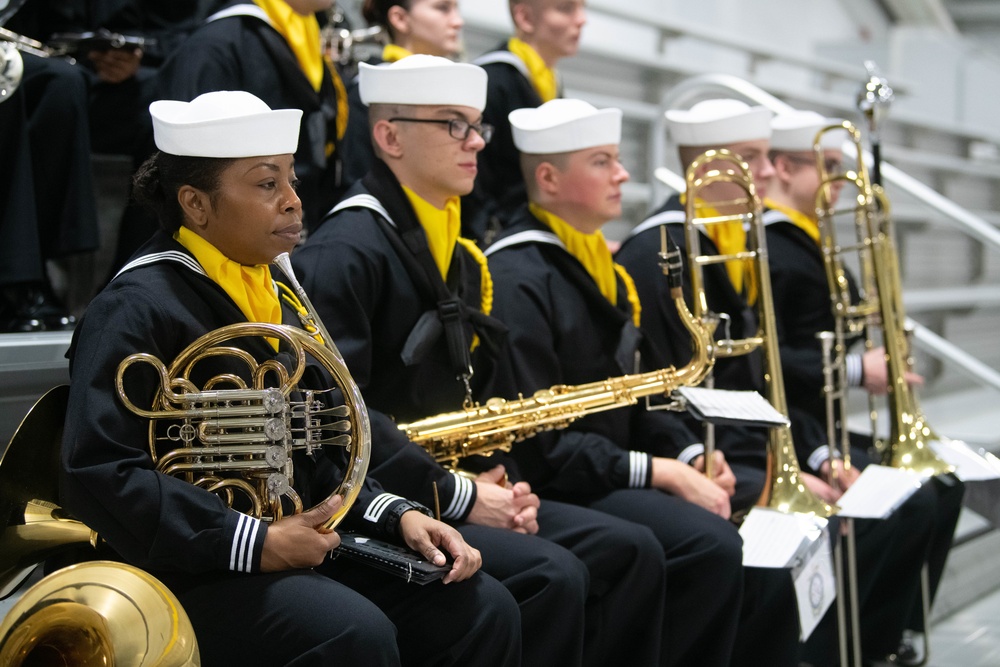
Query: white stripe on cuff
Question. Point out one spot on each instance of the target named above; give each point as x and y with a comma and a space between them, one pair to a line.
638, 463
241, 555
691, 452
461, 499
379, 505
853, 369
818, 456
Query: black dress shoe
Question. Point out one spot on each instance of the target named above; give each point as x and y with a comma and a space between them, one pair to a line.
33, 308
13, 322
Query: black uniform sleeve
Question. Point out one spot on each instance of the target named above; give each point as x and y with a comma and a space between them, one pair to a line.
582, 462
343, 282
802, 364
407, 469
108, 478
204, 64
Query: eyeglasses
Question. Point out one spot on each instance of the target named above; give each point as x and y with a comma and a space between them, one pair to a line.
832, 166
457, 128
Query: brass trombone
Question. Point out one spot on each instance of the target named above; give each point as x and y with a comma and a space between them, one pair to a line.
881, 304
784, 489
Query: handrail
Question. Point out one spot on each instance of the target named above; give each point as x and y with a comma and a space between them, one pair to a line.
759, 51
942, 349
694, 88
697, 86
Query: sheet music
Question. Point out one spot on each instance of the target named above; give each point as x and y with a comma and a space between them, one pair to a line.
970, 466
722, 405
877, 492
777, 539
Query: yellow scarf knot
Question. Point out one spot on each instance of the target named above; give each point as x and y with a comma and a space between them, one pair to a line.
250, 287
592, 251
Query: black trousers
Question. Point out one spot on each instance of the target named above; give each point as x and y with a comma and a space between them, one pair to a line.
583, 584
49, 208
890, 556
948, 493
347, 613
705, 576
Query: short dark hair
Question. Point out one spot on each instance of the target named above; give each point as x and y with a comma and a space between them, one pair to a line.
530, 163
158, 180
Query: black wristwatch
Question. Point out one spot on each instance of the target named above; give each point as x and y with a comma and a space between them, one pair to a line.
396, 514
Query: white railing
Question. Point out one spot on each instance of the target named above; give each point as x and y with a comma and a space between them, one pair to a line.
929, 342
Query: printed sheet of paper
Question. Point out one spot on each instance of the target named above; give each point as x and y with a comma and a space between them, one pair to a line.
877, 492
970, 466
722, 406
778, 540
815, 585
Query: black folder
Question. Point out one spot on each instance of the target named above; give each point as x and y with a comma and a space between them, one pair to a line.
390, 558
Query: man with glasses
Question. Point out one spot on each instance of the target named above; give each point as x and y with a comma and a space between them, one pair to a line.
407, 302
802, 309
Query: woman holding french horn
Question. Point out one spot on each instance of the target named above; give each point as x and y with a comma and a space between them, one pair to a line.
223, 187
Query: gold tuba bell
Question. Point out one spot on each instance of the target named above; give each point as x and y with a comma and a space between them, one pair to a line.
96, 614
784, 489
881, 303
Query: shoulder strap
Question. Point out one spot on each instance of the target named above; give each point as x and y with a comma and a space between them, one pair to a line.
248, 9
505, 57
529, 236
664, 218
177, 256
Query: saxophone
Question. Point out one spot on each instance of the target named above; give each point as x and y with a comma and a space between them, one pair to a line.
497, 423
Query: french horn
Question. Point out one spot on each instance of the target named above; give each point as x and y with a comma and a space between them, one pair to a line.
234, 435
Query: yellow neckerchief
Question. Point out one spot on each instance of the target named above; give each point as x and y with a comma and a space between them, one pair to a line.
302, 35
441, 226
543, 77
393, 52
250, 287
797, 218
730, 238
592, 251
